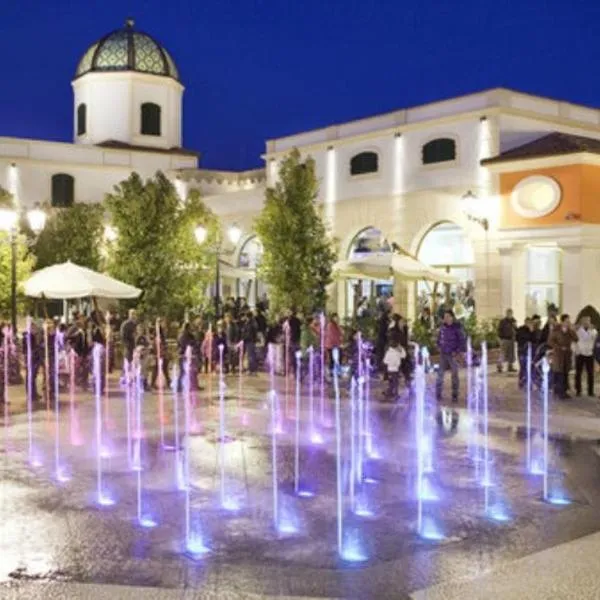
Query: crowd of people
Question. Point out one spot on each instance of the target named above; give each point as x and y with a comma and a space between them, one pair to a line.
249, 340
568, 347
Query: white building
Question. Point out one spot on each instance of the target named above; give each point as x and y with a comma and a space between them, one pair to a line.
398, 177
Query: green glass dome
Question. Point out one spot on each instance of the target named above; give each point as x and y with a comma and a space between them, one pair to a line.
127, 50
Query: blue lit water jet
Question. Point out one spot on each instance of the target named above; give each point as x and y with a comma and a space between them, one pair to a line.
143, 519
499, 513
487, 478
338, 452
528, 411
297, 428
105, 500
545, 393
430, 530
102, 499
195, 547
353, 550
223, 438
127, 367
353, 387
34, 459
193, 539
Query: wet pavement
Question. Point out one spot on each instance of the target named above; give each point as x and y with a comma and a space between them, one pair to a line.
53, 535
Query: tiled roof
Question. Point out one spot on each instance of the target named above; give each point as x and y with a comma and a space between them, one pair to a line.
553, 144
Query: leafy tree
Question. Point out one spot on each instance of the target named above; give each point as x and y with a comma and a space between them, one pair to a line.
298, 254
25, 262
73, 233
155, 248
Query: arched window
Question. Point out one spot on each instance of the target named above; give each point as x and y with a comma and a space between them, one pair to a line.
447, 247
368, 245
439, 150
365, 162
63, 190
81, 119
150, 119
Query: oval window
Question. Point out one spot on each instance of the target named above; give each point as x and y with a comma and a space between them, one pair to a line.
535, 196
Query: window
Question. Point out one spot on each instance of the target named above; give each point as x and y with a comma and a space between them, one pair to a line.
63, 190
439, 150
365, 162
81, 119
150, 119
544, 279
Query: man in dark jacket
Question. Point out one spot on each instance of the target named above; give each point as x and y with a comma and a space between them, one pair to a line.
507, 329
561, 339
526, 338
451, 342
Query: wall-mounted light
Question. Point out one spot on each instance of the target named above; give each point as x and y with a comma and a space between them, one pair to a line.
13, 165
482, 119
329, 147
398, 134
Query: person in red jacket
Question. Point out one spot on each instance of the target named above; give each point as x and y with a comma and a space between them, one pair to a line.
333, 338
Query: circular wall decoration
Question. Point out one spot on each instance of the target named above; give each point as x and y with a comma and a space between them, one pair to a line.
535, 196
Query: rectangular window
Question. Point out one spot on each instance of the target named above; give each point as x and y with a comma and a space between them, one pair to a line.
63, 190
544, 279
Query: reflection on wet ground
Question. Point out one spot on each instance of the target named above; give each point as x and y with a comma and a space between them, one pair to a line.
55, 530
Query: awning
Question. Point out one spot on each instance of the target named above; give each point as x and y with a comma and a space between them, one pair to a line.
386, 265
68, 280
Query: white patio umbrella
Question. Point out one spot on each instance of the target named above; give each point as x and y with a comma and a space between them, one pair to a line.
385, 265
68, 280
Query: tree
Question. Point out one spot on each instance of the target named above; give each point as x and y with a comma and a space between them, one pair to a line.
25, 262
298, 253
155, 248
73, 233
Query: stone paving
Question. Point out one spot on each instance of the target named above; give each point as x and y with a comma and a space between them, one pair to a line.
53, 538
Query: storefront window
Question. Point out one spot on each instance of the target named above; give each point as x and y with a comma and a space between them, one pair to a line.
544, 279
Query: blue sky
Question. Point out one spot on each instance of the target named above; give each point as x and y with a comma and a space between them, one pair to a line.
255, 70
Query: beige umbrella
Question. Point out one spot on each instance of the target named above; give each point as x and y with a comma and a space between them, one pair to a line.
386, 265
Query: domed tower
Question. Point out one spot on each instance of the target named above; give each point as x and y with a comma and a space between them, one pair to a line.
127, 90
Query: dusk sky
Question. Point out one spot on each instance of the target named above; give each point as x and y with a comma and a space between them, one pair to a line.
256, 70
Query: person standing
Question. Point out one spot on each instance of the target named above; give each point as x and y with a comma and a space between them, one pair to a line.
392, 360
560, 341
584, 355
451, 342
128, 335
507, 329
526, 338
232, 333
249, 336
333, 339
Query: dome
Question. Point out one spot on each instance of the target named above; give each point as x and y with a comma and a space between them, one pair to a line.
127, 50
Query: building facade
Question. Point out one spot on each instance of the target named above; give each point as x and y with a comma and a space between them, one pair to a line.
497, 187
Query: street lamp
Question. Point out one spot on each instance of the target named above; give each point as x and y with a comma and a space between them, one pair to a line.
476, 211
234, 233
9, 222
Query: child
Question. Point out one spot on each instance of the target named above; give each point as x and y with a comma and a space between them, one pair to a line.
393, 358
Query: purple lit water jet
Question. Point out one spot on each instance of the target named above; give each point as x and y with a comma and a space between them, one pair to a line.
59, 471
102, 497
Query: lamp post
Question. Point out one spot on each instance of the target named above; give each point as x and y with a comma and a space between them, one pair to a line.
234, 233
9, 222
475, 211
